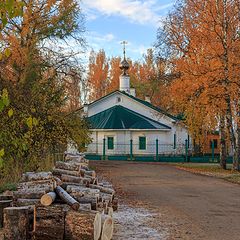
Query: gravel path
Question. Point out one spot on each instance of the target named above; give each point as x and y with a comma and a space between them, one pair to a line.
158, 201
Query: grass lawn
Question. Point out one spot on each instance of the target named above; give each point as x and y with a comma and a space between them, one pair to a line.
212, 170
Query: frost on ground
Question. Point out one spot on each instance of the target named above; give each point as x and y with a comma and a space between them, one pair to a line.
136, 223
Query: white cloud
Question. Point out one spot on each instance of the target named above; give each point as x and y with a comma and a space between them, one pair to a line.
142, 12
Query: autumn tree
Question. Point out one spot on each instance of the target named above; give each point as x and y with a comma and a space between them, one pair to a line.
34, 73
98, 74
203, 39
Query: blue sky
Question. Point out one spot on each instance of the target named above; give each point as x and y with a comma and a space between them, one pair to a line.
108, 22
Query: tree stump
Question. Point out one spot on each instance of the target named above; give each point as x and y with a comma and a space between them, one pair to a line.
16, 223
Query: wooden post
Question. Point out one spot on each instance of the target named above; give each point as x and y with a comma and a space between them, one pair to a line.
16, 223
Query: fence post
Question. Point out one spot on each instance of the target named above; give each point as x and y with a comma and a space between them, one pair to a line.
104, 149
131, 149
156, 149
186, 150
212, 150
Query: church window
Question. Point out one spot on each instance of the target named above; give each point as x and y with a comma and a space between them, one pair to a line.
110, 143
142, 143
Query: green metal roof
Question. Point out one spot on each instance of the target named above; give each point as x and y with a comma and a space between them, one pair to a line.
176, 118
119, 117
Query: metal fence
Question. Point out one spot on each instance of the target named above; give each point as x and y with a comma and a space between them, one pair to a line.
133, 148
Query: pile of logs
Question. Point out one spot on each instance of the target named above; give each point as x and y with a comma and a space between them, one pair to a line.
67, 203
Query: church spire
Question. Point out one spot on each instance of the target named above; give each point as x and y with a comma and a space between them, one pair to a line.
124, 65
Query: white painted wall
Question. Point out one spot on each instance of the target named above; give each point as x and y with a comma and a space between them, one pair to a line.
122, 142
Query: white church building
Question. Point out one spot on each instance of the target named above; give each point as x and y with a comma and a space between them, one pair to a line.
123, 125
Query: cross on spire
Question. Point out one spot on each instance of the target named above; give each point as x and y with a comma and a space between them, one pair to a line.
124, 43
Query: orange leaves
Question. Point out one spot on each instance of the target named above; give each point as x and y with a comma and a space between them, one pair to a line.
202, 36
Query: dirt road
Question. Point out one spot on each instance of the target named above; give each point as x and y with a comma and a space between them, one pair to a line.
186, 206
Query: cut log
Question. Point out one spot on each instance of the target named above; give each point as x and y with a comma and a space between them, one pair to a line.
6, 197
106, 197
86, 200
102, 189
85, 207
3, 204
107, 228
21, 202
67, 166
38, 186
16, 223
60, 172
48, 198
86, 173
28, 194
82, 225
32, 176
115, 204
72, 179
58, 181
67, 198
84, 191
110, 211
49, 222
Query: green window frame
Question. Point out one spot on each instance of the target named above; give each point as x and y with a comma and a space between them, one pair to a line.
110, 143
142, 143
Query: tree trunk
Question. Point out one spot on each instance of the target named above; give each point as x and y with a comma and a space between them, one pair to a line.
236, 157
223, 146
67, 198
16, 223
82, 225
48, 199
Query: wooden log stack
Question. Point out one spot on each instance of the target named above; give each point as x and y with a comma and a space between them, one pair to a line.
67, 203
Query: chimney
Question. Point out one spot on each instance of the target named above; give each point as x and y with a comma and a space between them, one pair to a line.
147, 99
133, 92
